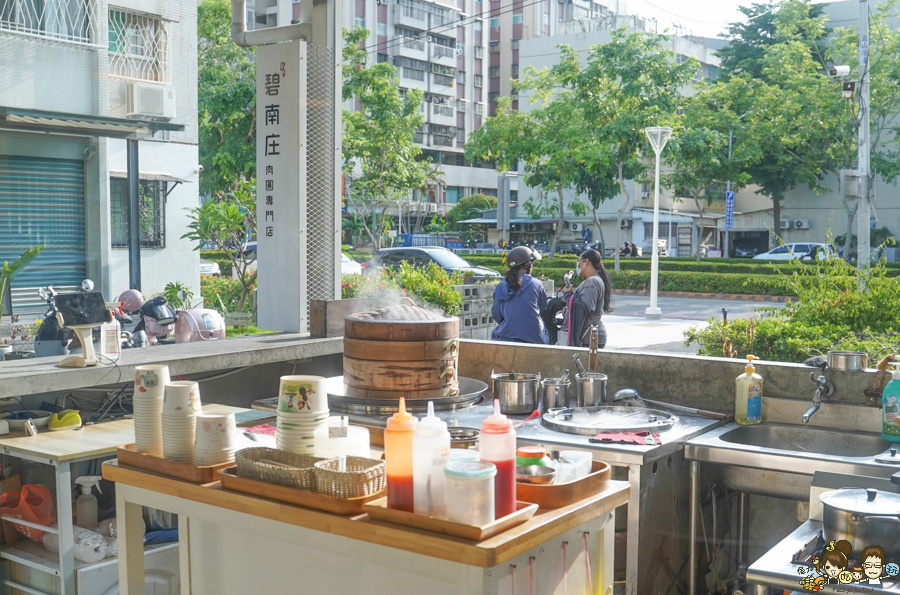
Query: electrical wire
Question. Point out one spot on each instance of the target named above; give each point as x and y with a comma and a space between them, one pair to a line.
774, 6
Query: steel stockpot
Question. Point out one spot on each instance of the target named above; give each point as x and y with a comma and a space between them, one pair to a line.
554, 393
518, 392
864, 517
591, 389
851, 361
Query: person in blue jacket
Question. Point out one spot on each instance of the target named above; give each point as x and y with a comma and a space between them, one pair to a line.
519, 301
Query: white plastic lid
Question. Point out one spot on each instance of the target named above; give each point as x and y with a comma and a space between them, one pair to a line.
431, 425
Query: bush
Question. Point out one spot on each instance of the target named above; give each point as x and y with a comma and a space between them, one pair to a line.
835, 311
220, 258
429, 284
221, 293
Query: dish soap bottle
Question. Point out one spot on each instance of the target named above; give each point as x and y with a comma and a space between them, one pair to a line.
748, 395
86, 504
430, 452
890, 403
398, 455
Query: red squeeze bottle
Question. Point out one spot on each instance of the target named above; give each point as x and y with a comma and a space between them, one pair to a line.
497, 445
398, 458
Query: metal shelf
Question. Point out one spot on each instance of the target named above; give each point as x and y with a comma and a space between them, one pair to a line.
34, 555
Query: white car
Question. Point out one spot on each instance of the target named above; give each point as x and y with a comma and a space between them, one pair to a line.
349, 266
799, 250
209, 268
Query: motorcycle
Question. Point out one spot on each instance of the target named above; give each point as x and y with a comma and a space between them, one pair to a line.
158, 320
51, 339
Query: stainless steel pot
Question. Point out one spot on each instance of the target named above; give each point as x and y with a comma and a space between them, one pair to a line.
554, 393
518, 393
591, 389
852, 361
864, 517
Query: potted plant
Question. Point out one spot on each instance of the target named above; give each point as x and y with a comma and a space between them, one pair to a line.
9, 273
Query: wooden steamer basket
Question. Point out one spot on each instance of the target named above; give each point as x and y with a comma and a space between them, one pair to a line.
402, 351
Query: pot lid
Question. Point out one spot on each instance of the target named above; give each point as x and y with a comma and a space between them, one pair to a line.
863, 501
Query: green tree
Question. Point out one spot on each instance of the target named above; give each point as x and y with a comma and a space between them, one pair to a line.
618, 89
470, 207
378, 148
228, 223
226, 102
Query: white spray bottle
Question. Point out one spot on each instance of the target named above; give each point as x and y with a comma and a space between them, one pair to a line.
86, 504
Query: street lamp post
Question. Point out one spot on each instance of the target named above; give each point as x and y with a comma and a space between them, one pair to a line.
658, 136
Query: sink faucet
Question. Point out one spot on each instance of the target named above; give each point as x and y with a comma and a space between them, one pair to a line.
824, 389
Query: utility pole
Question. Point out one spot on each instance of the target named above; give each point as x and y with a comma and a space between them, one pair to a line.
863, 249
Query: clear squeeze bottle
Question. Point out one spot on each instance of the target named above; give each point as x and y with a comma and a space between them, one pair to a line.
431, 451
398, 437
497, 445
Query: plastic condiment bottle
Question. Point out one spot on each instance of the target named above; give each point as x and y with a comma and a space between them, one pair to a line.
890, 409
497, 445
110, 346
86, 504
398, 454
748, 395
431, 451
532, 455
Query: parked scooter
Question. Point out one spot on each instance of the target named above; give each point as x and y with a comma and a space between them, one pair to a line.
50, 338
155, 318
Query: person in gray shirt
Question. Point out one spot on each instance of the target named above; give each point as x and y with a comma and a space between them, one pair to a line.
588, 303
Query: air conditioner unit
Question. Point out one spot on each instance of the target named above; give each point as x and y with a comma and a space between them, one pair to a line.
149, 101
801, 224
786, 224
626, 224
517, 227
575, 227
530, 226
645, 195
432, 207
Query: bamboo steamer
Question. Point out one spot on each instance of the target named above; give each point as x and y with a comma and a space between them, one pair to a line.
401, 351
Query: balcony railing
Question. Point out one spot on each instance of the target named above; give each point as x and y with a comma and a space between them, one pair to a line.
414, 44
441, 141
442, 110
443, 80
443, 52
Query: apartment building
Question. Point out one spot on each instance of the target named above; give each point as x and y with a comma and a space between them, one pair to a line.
79, 78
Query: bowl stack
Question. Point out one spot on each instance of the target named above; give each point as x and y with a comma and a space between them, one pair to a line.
180, 408
337, 438
216, 438
302, 408
149, 388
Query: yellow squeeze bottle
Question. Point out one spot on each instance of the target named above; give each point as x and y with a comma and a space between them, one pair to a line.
748, 395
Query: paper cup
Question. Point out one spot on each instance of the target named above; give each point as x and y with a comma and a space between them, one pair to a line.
150, 381
182, 399
302, 394
216, 431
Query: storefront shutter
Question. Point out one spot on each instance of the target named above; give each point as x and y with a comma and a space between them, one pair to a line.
42, 202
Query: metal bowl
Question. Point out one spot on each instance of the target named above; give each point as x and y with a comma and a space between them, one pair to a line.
538, 474
852, 361
463, 437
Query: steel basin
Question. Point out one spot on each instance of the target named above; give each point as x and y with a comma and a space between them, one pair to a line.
821, 441
778, 459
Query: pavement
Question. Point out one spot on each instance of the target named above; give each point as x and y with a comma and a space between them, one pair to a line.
628, 329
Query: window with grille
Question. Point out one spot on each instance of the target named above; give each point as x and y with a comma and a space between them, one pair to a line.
382, 58
494, 46
492, 97
462, 105
359, 21
479, 51
69, 20
381, 28
495, 22
494, 71
461, 77
479, 25
479, 80
518, 18
479, 109
461, 135
152, 202
138, 46
514, 71
514, 44
412, 73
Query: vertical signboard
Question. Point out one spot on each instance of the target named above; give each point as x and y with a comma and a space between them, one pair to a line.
281, 186
729, 210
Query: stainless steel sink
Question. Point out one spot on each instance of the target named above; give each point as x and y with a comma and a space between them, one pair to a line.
820, 441
778, 459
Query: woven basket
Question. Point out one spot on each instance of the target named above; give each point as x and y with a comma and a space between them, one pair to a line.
363, 477
304, 477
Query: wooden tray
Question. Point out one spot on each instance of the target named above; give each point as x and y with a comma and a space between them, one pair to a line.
272, 491
129, 455
379, 510
557, 496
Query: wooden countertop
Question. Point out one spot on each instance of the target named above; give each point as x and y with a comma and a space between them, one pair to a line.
543, 526
89, 442
41, 375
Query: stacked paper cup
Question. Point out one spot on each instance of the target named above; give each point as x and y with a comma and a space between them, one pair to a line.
149, 387
216, 438
180, 408
302, 408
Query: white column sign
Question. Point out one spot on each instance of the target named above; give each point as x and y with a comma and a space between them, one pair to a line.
281, 186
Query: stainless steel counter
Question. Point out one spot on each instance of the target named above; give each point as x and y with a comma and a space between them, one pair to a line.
534, 433
775, 569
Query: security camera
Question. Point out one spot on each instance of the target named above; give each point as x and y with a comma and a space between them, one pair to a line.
838, 71
199, 169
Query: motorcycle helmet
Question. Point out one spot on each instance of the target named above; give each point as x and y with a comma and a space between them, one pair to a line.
159, 311
520, 255
132, 300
